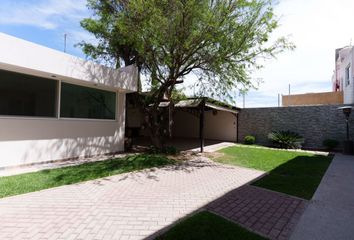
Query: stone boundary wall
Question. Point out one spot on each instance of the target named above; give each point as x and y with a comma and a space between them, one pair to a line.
314, 123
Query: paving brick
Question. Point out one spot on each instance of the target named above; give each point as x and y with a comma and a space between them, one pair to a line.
127, 206
276, 213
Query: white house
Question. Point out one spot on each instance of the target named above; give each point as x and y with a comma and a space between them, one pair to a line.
56, 106
343, 76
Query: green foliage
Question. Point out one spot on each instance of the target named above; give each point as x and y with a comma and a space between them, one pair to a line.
330, 144
169, 150
286, 139
249, 140
36, 181
208, 226
219, 41
178, 95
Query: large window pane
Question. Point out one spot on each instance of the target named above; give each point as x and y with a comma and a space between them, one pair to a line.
84, 102
25, 95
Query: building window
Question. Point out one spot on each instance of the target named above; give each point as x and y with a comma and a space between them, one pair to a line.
84, 102
347, 75
25, 95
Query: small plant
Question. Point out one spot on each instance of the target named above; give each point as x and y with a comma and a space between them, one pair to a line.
330, 144
169, 150
249, 139
286, 139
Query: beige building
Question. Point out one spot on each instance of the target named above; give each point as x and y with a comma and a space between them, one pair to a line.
323, 98
342, 84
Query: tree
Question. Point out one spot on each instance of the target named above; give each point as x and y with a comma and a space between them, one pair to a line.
219, 41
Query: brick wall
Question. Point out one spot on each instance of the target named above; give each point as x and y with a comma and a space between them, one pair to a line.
314, 123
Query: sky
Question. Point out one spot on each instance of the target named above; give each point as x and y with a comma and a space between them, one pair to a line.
316, 27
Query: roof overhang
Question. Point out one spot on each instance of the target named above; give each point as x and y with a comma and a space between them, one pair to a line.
29, 58
220, 108
194, 103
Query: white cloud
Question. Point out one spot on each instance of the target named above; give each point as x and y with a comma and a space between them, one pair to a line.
317, 27
43, 14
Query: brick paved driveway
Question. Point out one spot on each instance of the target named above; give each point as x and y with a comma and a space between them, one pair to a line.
271, 214
128, 206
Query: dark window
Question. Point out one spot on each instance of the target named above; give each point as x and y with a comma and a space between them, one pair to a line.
84, 102
347, 75
25, 95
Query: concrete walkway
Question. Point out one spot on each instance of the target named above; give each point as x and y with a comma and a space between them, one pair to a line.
330, 214
128, 206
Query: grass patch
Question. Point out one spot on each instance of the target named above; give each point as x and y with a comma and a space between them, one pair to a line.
207, 226
298, 177
257, 158
294, 173
30, 182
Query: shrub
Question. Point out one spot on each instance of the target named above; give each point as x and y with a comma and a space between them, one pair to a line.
286, 139
249, 140
170, 150
330, 144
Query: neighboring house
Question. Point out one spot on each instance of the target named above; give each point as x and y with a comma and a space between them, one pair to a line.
56, 106
220, 119
306, 99
343, 77
342, 84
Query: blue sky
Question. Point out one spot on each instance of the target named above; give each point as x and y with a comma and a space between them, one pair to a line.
45, 22
316, 27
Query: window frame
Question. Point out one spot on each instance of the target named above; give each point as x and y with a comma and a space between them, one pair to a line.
88, 119
58, 101
347, 74
34, 117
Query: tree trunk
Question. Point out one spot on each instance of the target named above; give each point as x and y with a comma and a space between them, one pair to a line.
153, 124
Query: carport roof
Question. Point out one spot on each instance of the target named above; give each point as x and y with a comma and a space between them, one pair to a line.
195, 102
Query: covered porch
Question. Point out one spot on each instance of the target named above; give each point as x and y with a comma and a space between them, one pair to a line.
197, 123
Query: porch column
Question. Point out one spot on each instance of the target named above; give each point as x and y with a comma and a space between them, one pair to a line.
201, 125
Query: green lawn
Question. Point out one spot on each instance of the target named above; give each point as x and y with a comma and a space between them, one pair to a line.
294, 173
31, 182
208, 226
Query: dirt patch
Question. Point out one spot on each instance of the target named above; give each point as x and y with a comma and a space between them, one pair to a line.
213, 155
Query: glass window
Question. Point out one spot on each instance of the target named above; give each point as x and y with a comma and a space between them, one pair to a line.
347, 75
25, 95
84, 102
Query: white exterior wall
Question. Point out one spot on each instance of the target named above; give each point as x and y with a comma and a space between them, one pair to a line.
348, 91
221, 126
25, 140
346, 58
31, 140
22, 56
